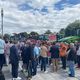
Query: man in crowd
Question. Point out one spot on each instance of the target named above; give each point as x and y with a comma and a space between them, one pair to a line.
63, 50
55, 56
71, 60
2, 57
22, 49
14, 59
36, 53
29, 58
7, 51
78, 56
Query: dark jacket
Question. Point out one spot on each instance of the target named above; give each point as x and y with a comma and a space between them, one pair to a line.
14, 56
71, 55
23, 48
28, 54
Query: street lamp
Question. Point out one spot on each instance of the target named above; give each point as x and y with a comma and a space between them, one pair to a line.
2, 21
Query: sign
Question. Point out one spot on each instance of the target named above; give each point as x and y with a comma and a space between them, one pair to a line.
52, 37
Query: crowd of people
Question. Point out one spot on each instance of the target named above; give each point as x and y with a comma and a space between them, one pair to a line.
39, 53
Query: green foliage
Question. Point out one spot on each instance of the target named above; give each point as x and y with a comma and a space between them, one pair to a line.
23, 34
34, 33
48, 32
62, 31
73, 28
6, 36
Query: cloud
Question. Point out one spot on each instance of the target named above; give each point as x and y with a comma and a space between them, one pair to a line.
17, 20
41, 3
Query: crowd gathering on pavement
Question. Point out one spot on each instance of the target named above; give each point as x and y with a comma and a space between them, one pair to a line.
38, 53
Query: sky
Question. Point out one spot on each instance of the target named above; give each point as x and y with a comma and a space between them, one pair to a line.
38, 15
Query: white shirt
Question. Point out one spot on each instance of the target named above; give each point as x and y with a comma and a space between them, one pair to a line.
2, 46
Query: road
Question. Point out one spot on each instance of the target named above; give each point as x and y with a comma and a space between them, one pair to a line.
60, 75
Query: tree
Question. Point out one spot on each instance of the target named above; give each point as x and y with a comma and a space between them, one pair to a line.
34, 35
6, 37
23, 35
73, 28
62, 32
48, 32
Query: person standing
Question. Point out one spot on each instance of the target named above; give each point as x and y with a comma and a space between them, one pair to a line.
78, 56
7, 52
36, 53
55, 56
2, 56
71, 60
22, 49
44, 56
14, 60
63, 50
29, 58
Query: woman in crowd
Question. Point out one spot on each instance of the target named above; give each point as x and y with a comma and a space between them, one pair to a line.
44, 57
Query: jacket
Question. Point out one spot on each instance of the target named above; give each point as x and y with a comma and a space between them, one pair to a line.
29, 54
14, 56
71, 55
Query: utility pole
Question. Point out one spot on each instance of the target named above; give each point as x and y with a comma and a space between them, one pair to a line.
2, 22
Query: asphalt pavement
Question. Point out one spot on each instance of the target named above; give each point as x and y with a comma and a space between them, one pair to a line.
60, 75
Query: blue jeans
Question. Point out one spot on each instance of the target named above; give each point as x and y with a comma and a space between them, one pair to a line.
29, 68
71, 67
34, 67
14, 70
43, 63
